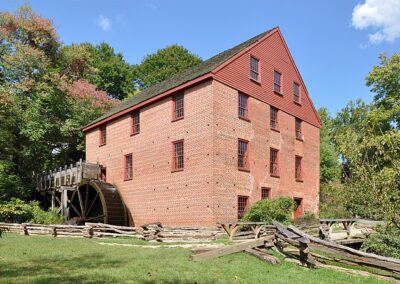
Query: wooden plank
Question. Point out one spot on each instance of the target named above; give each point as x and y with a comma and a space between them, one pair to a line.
234, 248
344, 248
264, 256
285, 232
359, 260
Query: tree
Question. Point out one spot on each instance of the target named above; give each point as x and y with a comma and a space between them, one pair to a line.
38, 101
329, 156
112, 73
164, 64
384, 81
99, 65
367, 136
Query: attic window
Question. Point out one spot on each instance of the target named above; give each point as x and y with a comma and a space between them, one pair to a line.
254, 69
296, 93
277, 82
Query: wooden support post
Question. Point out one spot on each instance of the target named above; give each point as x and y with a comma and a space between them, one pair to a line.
64, 204
230, 229
257, 229
54, 232
24, 230
89, 232
53, 200
304, 253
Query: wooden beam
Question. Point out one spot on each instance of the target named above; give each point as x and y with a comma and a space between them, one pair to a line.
344, 248
264, 256
265, 241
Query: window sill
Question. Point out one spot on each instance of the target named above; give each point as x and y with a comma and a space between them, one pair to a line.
244, 170
176, 170
101, 145
127, 179
258, 82
135, 133
299, 180
278, 93
176, 119
297, 103
244, 118
300, 139
275, 129
274, 175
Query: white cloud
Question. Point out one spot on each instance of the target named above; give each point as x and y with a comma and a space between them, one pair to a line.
383, 16
103, 22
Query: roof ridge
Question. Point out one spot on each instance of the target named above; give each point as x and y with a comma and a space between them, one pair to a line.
180, 78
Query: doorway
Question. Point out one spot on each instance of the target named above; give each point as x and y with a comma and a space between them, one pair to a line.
299, 208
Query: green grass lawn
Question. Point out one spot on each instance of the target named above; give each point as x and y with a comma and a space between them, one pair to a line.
42, 259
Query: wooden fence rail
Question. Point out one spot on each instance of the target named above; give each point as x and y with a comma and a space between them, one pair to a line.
147, 232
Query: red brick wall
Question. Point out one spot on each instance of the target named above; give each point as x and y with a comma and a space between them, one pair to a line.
154, 193
229, 182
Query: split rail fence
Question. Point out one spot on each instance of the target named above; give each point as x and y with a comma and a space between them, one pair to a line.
149, 232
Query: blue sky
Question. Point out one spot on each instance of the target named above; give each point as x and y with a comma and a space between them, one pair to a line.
333, 49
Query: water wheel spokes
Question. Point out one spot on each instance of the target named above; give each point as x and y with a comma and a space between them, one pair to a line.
93, 201
86, 203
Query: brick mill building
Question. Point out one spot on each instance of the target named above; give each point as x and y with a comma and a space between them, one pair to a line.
199, 148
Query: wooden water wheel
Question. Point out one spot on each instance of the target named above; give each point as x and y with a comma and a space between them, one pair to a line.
80, 195
98, 202
91, 201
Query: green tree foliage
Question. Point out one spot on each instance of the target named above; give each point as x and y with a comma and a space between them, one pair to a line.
99, 65
384, 81
368, 139
268, 210
164, 64
39, 102
112, 74
385, 242
329, 156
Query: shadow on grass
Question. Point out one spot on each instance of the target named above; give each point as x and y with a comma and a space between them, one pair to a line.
59, 270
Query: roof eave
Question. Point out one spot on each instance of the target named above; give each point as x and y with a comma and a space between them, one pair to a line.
149, 101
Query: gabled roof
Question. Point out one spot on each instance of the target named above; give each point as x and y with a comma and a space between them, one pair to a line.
183, 77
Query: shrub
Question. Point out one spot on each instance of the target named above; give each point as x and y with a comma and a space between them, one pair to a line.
269, 210
18, 211
307, 218
333, 201
386, 241
41, 216
15, 211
